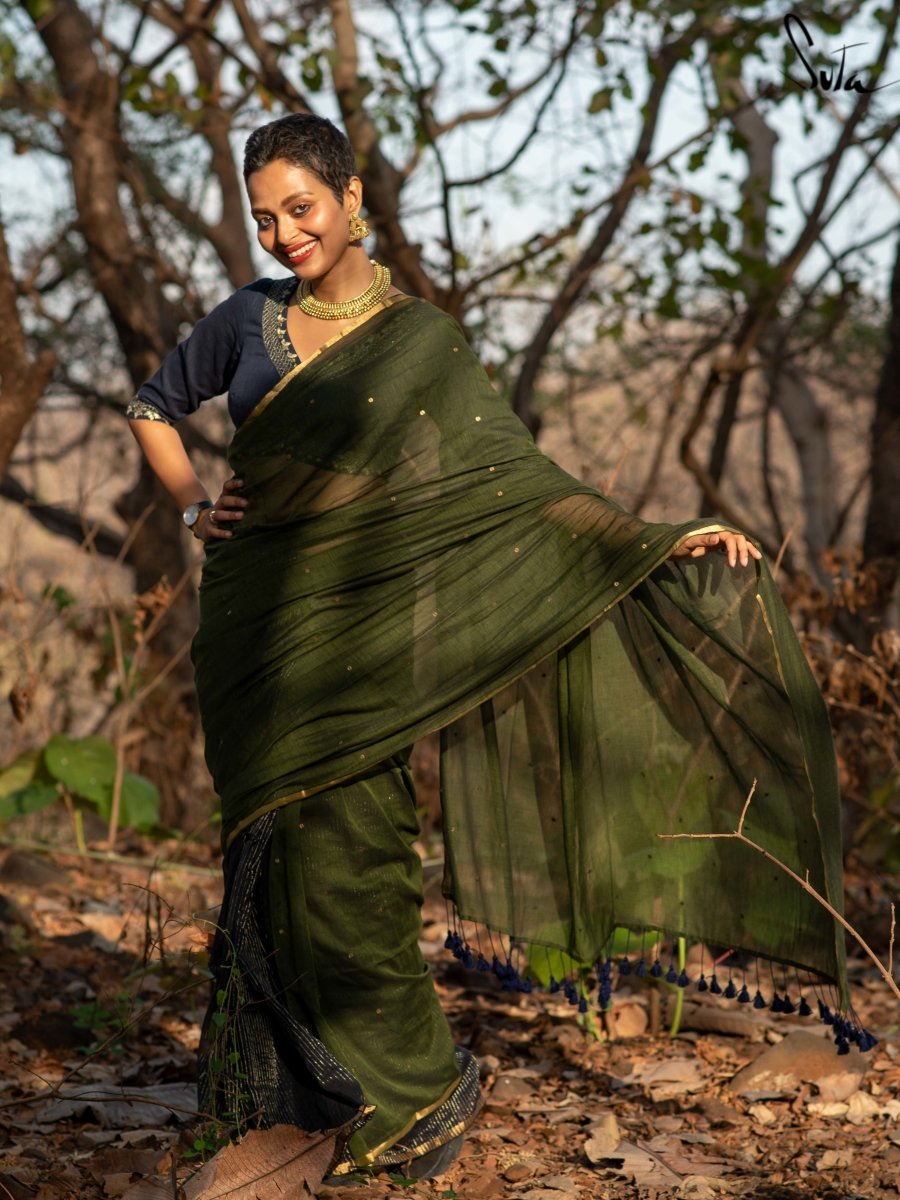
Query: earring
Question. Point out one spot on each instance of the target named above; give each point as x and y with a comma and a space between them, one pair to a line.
358, 228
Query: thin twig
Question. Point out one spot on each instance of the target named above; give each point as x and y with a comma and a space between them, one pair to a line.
739, 836
891, 945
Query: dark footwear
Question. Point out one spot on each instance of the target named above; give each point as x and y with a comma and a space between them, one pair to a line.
435, 1162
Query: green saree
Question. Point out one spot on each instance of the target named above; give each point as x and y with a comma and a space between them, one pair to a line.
409, 561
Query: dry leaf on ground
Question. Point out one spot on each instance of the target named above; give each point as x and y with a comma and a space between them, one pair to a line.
665, 1080
639, 1165
124, 1108
604, 1139
281, 1163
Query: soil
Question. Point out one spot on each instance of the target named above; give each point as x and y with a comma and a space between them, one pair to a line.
104, 985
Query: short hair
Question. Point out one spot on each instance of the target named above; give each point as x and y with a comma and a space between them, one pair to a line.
306, 141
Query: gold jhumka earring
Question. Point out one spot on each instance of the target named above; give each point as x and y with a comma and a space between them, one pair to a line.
358, 228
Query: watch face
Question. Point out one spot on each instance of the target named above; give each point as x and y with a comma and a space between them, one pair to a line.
190, 514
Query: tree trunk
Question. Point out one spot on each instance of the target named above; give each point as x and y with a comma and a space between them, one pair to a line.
22, 379
881, 541
146, 324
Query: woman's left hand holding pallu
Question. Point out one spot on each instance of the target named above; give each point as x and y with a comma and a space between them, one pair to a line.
213, 523
736, 546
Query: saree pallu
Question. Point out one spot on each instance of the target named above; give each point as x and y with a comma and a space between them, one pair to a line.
409, 561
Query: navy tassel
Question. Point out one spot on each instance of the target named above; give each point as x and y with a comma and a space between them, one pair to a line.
758, 1001
604, 974
777, 1004
730, 991
743, 995
671, 977
702, 985
682, 979
715, 987
804, 1010
641, 969
656, 970
624, 967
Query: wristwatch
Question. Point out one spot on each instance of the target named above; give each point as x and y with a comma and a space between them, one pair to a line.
193, 511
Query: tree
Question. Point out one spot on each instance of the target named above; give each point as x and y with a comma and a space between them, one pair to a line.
524, 169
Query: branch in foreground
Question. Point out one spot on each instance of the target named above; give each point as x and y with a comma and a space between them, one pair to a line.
60, 520
740, 836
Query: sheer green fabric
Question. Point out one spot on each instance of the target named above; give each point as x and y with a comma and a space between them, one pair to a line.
410, 561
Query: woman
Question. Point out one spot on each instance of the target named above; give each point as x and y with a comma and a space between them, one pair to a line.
393, 556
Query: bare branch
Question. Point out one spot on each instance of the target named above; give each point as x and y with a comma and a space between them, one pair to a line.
59, 520
739, 836
24, 379
382, 180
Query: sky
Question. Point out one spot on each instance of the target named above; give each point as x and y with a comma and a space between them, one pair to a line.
501, 211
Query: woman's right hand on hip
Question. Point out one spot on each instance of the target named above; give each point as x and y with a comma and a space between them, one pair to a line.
213, 523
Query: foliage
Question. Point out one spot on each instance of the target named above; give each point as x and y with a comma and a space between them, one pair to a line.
105, 1022
83, 768
590, 188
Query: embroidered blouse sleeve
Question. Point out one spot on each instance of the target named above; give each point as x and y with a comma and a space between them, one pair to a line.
198, 368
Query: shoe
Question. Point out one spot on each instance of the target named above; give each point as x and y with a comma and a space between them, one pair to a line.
435, 1162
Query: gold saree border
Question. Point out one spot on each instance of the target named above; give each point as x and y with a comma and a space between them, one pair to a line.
369, 1158
263, 404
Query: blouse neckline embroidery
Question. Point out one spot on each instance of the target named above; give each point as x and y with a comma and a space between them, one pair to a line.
276, 339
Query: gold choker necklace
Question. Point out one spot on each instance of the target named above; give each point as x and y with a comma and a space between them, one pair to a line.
325, 310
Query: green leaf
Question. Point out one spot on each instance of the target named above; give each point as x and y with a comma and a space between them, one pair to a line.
140, 803
20, 772
60, 596
86, 766
28, 799
600, 100
545, 963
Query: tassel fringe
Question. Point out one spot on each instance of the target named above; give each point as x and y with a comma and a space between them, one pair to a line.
521, 972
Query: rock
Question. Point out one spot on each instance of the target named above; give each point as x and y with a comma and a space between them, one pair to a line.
508, 1089
802, 1058
30, 870
518, 1171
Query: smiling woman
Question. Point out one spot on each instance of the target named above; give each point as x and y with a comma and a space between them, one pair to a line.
393, 556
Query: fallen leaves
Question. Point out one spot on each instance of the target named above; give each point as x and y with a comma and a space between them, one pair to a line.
123, 1108
670, 1078
281, 1163
568, 1117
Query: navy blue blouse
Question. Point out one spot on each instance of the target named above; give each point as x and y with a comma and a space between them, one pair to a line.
242, 347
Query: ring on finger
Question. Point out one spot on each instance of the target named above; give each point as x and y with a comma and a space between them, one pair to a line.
212, 516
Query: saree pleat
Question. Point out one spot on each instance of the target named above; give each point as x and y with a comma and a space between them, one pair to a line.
409, 561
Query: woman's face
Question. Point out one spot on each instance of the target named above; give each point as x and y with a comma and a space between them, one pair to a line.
299, 220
